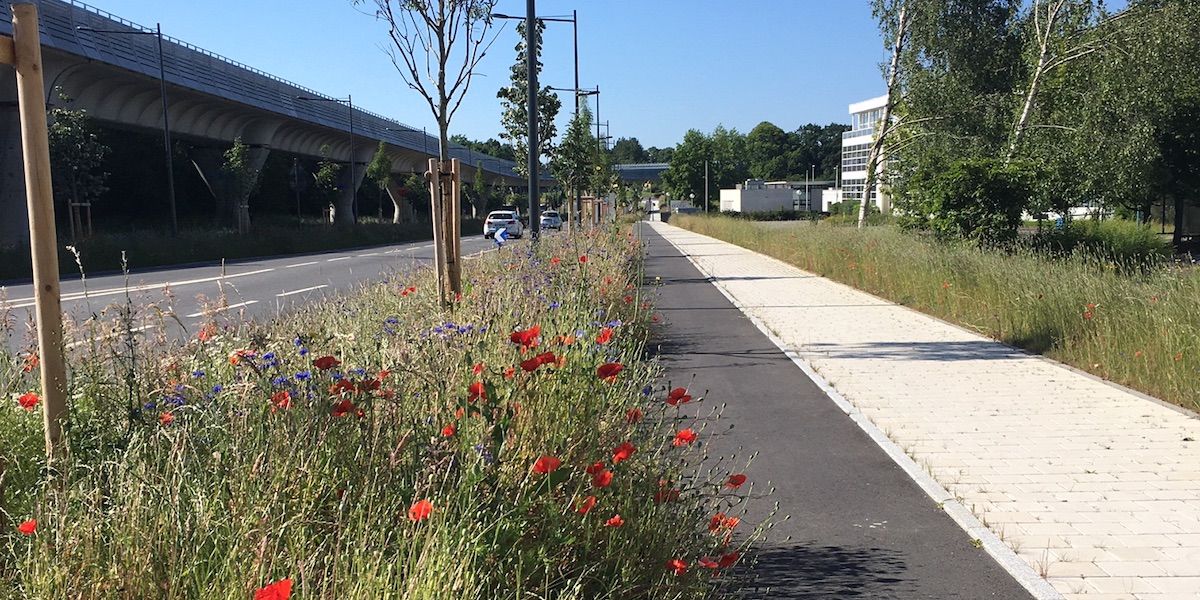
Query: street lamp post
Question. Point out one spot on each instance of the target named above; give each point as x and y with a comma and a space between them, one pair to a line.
348, 101
531, 81
162, 82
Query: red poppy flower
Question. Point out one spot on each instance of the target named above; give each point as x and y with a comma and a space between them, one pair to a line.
707, 562
684, 437
28, 527
449, 430
565, 340
609, 371
633, 415
341, 387
280, 590
586, 505
509, 372
281, 399
31, 362
476, 391
605, 336
531, 365
623, 452
368, 385
343, 408
526, 338
602, 479
666, 495
325, 363
206, 333
728, 560
655, 318
677, 565
555, 260
459, 412
28, 400
583, 259
384, 374
477, 369
595, 467
420, 510
678, 396
238, 355
628, 299
546, 465
735, 481
614, 521
722, 521
166, 418
547, 358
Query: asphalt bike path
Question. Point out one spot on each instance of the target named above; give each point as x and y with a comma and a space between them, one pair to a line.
859, 527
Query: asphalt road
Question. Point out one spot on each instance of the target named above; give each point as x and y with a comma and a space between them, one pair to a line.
255, 288
859, 527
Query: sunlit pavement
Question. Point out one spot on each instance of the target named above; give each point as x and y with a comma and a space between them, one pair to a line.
1093, 486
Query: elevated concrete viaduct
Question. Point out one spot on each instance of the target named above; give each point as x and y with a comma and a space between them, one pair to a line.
114, 77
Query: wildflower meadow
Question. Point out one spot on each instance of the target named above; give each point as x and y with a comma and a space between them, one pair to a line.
518, 443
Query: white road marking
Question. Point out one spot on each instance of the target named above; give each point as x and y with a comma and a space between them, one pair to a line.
304, 264
27, 302
308, 289
79, 343
368, 254
339, 258
224, 308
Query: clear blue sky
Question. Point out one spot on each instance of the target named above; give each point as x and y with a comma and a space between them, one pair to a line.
663, 66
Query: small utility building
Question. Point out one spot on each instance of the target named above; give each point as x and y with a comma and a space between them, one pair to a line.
757, 195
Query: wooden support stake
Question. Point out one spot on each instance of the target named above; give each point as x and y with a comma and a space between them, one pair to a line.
42, 237
439, 226
455, 233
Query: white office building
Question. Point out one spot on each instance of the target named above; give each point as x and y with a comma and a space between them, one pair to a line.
865, 117
757, 195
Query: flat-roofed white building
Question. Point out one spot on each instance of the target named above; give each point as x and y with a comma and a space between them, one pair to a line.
757, 195
865, 118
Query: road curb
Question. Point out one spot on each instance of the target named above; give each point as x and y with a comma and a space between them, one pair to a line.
1008, 560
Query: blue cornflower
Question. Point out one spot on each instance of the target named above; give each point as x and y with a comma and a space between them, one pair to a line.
268, 356
303, 375
555, 304
614, 323
304, 352
197, 373
646, 391
298, 342
151, 405
359, 371
337, 376
174, 400
217, 389
392, 321
279, 381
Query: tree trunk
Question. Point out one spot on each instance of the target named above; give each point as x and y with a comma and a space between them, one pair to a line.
1036, 80
1177, 237
885, 126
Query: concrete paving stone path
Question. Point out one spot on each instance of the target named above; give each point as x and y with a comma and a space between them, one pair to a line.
859, 526
1094, 486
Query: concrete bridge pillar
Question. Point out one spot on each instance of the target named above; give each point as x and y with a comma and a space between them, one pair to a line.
14, 212
345, 203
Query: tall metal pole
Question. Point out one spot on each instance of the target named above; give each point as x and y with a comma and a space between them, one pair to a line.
353, 173
577, 212
162, 81
535, 224
706, 186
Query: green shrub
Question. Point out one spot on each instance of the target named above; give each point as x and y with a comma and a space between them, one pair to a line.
1117, 240
975, 199
773, 215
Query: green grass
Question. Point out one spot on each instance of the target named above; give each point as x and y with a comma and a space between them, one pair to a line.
1139, 327
145, 249
235, 492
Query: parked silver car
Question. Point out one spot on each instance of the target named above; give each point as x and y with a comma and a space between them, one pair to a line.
551, 220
